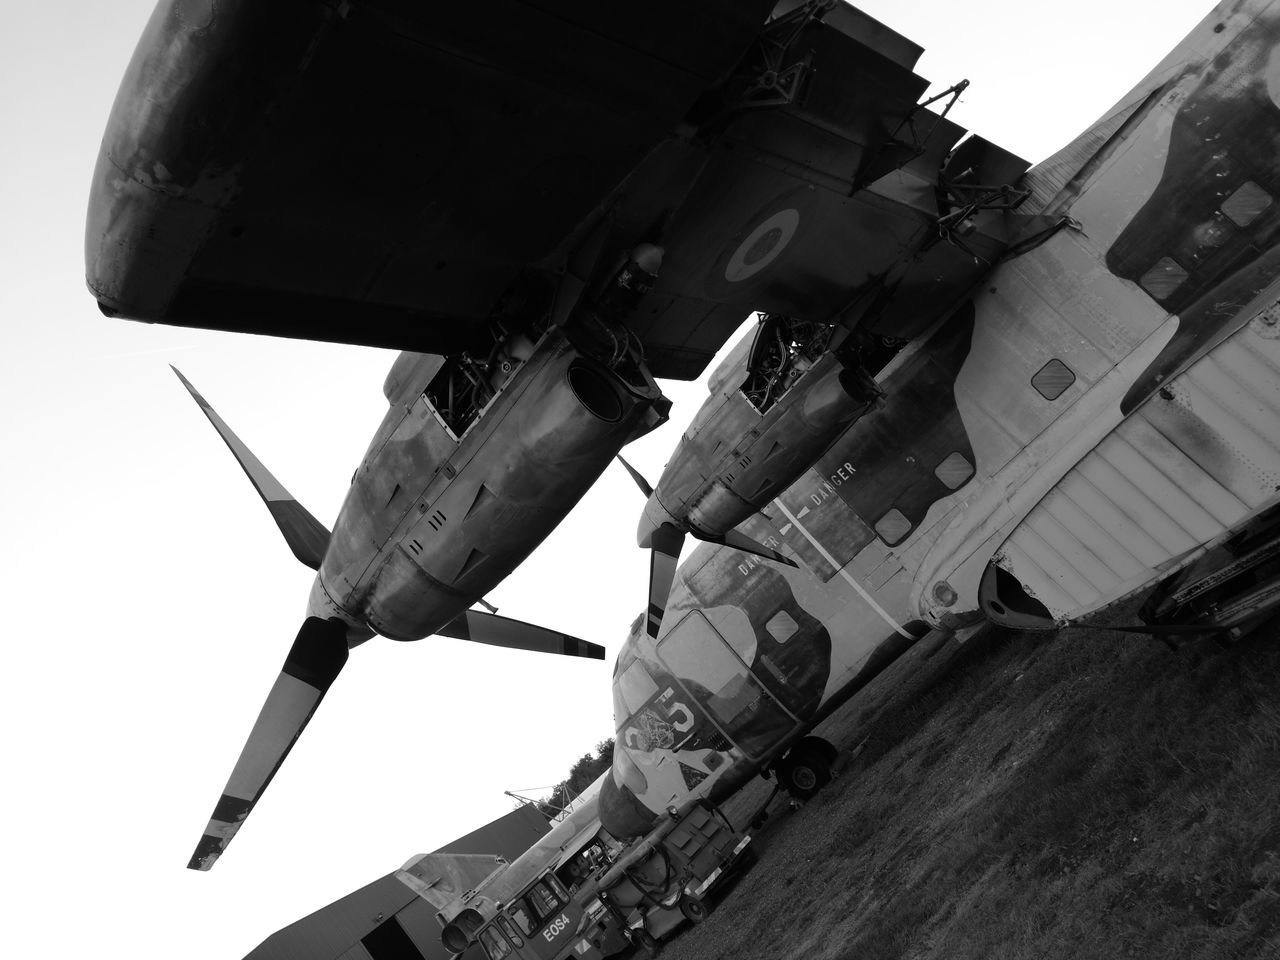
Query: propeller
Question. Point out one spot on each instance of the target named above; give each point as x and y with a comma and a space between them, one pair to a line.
664, 540
479, 627
320, 651
313, 663
665, 544
306, 536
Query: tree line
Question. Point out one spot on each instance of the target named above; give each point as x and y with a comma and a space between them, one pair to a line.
584, 772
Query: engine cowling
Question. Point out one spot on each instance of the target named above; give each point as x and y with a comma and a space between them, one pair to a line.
734, 459
434, 519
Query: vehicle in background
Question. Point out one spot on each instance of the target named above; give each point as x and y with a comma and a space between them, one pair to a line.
385, 920
579, 892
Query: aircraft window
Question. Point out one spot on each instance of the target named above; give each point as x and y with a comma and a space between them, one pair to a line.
509, 929
1052, 380
893, 526
717, 679
1248, 203
955, 470
558, 888
541, 901
781, 627
494, 943
524, 920
1163, 278
637, 687
1205, 238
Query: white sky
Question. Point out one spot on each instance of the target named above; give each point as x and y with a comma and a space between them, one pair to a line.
153, 600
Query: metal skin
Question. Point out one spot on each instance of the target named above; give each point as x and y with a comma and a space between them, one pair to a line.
382, 174
1167, 441
1061, 441
751, 655
732, 460
430, 523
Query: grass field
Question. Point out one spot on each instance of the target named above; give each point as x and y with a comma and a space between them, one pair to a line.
1074, 795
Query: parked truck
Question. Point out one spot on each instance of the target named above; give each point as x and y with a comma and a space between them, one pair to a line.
579, 894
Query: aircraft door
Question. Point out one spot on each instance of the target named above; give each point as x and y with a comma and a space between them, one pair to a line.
722, 684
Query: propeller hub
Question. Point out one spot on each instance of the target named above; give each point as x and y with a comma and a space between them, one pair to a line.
653, 519
322, 606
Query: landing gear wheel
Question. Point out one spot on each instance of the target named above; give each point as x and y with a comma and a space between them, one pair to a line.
825, 748
804, 770
694, 910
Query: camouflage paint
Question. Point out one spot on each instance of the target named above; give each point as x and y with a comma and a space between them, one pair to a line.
807, 644
1152, 188
1137, 186
1214, 214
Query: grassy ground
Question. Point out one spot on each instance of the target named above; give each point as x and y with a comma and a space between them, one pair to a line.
1075, 795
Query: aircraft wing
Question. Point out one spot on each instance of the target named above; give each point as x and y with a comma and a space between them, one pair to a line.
381, 174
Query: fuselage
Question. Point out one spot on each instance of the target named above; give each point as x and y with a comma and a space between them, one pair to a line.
751, 655
1087, 421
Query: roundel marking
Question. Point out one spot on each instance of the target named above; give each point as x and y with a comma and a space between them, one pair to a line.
763, 245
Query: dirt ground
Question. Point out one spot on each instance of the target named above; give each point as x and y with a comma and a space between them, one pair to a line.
1073, 795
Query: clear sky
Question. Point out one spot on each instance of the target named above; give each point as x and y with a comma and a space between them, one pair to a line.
151, 601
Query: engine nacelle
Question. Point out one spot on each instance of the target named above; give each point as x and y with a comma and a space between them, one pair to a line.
409, 371
734, 458
436, 518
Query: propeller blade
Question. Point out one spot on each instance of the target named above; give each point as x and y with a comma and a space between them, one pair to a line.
664, 557
314, 661
740, 541
305, 535
641, 482
479, 627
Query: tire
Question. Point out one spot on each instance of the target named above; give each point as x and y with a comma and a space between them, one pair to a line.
694, 910
804, 770
825, 748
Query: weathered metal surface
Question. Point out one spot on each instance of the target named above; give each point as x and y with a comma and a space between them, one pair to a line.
299, 170
1192, 463
1089, 499
430, 523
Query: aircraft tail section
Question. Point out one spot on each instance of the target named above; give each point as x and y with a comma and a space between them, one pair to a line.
306, 536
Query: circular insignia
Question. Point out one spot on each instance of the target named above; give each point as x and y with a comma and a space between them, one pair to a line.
762, 245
